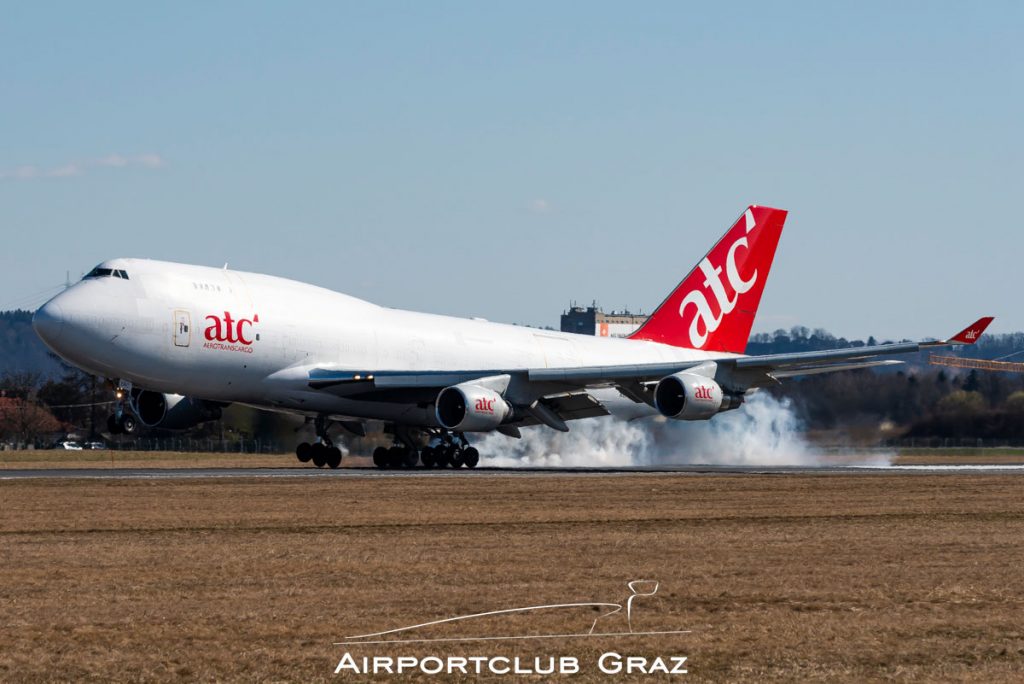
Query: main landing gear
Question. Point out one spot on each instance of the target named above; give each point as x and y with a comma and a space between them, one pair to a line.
322, 452
446, 450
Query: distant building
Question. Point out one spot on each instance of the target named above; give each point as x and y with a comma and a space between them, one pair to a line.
592, 321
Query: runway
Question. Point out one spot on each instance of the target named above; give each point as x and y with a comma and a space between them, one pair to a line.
362, 473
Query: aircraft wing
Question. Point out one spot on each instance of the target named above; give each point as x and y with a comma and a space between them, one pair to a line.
554, 395
745, 372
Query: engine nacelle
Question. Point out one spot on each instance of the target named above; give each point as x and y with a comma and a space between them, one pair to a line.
173, 411
688, 396
471, 408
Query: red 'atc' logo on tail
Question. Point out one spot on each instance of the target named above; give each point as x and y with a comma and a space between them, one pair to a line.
714, 307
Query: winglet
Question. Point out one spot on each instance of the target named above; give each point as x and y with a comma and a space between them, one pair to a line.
971, 333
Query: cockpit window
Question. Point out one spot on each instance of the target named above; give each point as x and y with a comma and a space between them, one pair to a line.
99, 272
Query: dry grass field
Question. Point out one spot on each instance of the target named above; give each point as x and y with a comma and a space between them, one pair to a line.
53, 458
818, 577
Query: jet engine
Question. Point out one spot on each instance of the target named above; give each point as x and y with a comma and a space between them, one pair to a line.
173, 411
688, 396
471, 408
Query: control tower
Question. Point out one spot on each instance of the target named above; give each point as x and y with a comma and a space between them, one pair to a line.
592, 321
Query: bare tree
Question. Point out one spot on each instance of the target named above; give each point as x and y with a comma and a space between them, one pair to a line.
22, 419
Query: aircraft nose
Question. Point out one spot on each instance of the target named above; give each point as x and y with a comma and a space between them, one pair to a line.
48, 321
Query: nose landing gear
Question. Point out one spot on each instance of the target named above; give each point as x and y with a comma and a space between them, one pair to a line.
122, 422
125, 425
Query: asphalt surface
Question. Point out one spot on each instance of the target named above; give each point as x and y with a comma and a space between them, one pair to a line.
308, 472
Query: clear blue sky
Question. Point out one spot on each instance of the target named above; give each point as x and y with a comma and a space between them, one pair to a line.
498, 160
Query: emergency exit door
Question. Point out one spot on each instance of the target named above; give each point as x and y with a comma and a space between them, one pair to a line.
182, 328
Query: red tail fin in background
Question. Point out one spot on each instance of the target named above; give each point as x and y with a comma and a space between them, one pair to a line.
713, 308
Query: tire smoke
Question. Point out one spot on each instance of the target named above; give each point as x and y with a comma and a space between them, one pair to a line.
764, 431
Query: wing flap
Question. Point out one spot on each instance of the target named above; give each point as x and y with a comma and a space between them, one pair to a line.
573, 405
812, 369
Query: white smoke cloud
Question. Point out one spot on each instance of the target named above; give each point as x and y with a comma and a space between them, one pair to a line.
590, 442
764, 431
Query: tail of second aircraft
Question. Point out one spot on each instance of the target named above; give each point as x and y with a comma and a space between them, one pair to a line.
713, 308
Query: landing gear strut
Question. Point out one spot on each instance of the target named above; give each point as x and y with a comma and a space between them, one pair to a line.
322, 452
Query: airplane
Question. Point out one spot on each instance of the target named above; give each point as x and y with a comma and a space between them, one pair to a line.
181, 342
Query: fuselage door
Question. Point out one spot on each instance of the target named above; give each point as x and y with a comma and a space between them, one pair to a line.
182, 328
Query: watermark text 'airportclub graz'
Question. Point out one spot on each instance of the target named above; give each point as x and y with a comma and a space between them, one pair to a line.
610, 662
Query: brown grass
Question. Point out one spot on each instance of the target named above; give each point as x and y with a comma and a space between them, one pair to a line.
55, 458
779, 577
1008, 456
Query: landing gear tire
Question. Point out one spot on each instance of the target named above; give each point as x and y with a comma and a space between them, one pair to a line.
410, 458
333, 457
128, 424
470, 457
427, 457
396, 456
113, 426
304, 452
319, 455
454, 456
380, 457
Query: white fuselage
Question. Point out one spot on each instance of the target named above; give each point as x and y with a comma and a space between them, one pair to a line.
230, 336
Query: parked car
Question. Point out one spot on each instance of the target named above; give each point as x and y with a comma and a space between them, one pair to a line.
68, 446
96, 446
